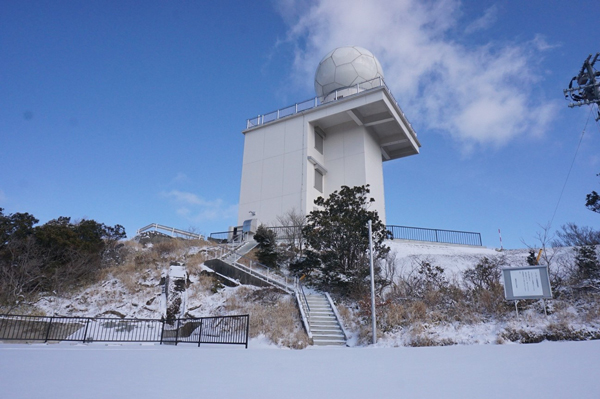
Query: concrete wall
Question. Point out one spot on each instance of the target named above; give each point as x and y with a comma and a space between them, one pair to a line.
273, 170
277, 172
227, 270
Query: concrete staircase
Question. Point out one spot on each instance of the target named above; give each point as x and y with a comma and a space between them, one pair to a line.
242, 250
323, 321
319, 314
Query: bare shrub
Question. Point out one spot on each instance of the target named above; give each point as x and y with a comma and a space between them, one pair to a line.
274, 315
292, 223
167, 247
419, 336
392, 316
571, 235
417, 311
483, 285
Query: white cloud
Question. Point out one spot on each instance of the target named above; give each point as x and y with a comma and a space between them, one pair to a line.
180, 177
197, 209
479, 95
485, 21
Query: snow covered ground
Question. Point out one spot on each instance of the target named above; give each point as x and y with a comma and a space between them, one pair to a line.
453, 258
545, 370
136, 293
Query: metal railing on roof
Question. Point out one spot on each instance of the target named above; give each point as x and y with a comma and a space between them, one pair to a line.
172, 230
435, 235
318, 101
396, 232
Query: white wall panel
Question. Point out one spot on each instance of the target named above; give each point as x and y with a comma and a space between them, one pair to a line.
293, 130
251, 182
292, 172
254, 146
272, 180
274, 141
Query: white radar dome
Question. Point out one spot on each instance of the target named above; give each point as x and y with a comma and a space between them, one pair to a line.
345, 67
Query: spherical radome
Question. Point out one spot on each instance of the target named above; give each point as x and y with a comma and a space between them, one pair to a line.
345, 67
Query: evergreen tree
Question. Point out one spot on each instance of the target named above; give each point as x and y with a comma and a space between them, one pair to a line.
267, 246
337, 236
586, 260
593, 201
53, 256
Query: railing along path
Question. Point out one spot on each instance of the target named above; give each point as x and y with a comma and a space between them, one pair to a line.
203, 330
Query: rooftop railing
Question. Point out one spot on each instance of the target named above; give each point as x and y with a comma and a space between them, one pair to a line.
397, 233
435, 235
342, 92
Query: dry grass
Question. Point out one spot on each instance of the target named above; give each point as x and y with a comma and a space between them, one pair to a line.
272, 314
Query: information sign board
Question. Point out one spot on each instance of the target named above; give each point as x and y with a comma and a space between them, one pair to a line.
528, 282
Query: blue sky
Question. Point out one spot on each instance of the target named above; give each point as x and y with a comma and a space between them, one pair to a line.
131, 112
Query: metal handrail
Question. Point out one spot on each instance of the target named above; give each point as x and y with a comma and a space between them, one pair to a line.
413, 234
337, 315
270, 276
304, 295
317, 102
172, 230
435, 235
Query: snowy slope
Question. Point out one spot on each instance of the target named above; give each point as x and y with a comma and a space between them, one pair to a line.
453, 258
137, 294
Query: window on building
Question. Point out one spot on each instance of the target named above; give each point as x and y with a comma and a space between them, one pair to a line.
318, 141
318, 180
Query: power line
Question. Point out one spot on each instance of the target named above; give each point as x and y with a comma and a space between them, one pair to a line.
571, 167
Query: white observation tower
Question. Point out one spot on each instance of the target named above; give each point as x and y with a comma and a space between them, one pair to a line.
310, 149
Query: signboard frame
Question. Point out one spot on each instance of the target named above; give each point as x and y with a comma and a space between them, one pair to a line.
526, 282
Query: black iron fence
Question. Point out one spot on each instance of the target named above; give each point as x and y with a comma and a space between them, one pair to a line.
435, 235
204, 330
282, 233
397, 232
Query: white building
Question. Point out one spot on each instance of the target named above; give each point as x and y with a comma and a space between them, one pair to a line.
342, 137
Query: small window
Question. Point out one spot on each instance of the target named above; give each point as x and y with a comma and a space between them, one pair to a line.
318, 180
318, 142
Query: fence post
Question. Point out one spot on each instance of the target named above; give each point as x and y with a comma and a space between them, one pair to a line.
177, 333
200, 335
87, 323
247, 329
48, 330
162, 331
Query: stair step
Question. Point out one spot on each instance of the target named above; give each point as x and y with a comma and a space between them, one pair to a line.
327, 343
328, 314
321, 316
323, 322
326, 328
328, 340
327, 334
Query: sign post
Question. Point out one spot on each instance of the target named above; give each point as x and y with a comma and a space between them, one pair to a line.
527, 282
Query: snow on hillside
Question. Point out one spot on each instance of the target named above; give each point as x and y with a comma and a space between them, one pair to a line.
136, 292
453, 258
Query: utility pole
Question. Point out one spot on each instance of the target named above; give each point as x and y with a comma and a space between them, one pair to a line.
584, 89
372, 283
